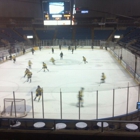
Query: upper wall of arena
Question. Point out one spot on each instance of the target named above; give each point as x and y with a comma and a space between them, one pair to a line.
33, 8
114, 7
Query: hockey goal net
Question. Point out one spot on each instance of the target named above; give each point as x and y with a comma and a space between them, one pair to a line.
14, 108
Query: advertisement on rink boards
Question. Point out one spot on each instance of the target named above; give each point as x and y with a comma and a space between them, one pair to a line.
42, 47
47, 47
36, 48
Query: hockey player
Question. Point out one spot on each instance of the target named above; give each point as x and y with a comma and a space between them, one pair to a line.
84, 59
26, 72
92, 47
40, 48
29, 64
29, 76
10, 57
52, 50
103, 77
52, 60
80, 97
44, 66
23, 50
14, 58
60, 47
72, 50
39, 92
61, 55
32, 50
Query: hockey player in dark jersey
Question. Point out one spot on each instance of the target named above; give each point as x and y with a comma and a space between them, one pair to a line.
39, 92
61, 55
52, 50
23, 50
40, 48
72, 50
32, 50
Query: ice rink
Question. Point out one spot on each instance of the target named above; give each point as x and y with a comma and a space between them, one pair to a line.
69, 75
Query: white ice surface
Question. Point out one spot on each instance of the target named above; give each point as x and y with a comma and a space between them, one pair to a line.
69, 75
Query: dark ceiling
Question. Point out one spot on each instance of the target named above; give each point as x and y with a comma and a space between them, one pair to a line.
105, 13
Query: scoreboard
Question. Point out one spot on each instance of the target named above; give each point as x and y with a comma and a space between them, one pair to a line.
57, 12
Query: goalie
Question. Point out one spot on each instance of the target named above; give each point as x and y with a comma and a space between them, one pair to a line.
39, 92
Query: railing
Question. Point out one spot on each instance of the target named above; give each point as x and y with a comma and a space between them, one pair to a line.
129, 61
64, 104
125, 90
56, 124
66, 42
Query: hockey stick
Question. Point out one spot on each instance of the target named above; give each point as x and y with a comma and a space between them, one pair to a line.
22, 77
80, 63
39, 71
100, 84
25, 81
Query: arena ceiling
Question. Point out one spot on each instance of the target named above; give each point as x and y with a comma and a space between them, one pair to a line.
101, 13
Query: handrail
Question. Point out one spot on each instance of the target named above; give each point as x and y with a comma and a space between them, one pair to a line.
55, 121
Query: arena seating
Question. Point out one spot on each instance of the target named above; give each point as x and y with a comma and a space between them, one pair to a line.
14, 35
10, 35
119, 32
24, 32
132, 37
83, 33
4, 35
64, 33
45, 34
2, 44
102, 34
